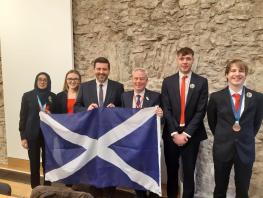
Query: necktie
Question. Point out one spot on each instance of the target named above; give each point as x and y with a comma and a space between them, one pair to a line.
101, 96
138, 101
237, 100
182, 98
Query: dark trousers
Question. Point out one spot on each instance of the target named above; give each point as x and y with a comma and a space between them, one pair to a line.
242, 177
36, 147
188, 153
143, 194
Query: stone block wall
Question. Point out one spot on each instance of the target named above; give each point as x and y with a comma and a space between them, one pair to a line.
3, 151
147, 33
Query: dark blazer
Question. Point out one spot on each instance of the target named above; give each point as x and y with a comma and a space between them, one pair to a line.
221, 119
29, 123
88, 94
195, 108
61, 102
151, 99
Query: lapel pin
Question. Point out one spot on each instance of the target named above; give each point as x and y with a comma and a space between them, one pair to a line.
249, 94
192, 86
147, 98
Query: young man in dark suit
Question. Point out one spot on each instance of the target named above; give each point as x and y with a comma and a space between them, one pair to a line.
234, 117
100, 92
140, 97
184, 100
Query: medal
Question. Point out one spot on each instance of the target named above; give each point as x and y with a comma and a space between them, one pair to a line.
236, 127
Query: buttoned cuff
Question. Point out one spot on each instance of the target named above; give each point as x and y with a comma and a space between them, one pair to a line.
189, 136
174, 133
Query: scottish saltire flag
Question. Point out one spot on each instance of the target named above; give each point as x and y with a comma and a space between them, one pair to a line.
104, 147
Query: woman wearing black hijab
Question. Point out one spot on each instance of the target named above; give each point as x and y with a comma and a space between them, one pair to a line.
39, 99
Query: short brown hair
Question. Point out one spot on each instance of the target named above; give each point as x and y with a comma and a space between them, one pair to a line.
101, 60
239, 63
185, 51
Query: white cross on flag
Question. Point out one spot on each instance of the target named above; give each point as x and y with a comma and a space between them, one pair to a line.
104, 147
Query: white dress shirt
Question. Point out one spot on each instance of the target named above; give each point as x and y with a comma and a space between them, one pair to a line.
104, 88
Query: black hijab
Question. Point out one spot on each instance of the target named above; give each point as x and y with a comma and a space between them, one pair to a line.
43, 93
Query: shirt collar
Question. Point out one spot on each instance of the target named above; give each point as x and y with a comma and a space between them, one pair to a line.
141, 93
104, 84
233, 92
188, 75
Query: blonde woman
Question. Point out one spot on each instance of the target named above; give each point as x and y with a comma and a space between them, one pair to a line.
67, 98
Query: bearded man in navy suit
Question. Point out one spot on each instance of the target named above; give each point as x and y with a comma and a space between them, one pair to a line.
234, 117
100, 92
140, 97
184, 101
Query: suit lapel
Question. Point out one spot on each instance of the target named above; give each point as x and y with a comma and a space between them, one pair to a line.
146, 99
176, 89
228, 98
35, 100
248, 98
129, 99
191, 89
65, 100
108, 92
93, 91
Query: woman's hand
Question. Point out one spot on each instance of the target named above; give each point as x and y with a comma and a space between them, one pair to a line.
24, 144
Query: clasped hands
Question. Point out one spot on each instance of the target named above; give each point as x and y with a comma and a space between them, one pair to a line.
180, 139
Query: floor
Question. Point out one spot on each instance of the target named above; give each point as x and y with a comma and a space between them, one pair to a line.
16, 174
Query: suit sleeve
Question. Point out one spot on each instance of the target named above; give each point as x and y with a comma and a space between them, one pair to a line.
199, 115
23, 117
79, 105
58, 103
122, 100
118, 101
212, 114
158, 100
259, 113
53, 102
171, 124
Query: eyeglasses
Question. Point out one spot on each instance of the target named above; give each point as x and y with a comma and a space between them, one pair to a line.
72, 79
42, 80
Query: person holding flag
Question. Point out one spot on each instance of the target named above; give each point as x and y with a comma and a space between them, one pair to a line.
234, 117
39, 99
140, 97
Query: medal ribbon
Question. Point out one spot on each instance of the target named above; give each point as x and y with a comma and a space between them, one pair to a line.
42, 107
237, 113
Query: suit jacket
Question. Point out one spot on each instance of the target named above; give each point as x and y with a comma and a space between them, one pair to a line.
61, 102
221, 119
29, 123
88, 94
195, 108
151, 99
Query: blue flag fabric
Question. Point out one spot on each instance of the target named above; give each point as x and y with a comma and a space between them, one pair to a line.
104, 147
